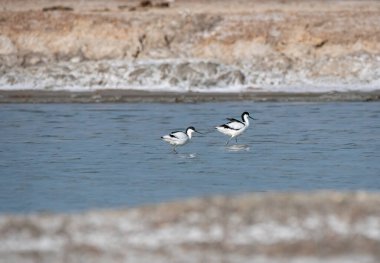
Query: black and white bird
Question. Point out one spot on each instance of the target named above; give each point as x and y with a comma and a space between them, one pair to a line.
235, 127
179, 138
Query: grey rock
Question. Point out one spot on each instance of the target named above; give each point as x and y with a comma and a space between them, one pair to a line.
32, 59
173, 81
235, 77
10, 60
165, 70
186, 72
135, 74
208, 68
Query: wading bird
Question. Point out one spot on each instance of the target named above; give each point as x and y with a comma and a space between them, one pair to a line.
179, 138
235, 127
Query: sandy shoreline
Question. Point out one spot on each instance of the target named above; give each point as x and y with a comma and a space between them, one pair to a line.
298, 227
133, 96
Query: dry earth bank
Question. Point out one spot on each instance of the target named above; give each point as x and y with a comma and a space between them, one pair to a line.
198, 46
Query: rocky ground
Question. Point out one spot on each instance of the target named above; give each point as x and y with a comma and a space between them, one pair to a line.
313, 227
196, 46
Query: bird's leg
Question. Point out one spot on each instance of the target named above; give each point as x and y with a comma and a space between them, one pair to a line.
236, 139
174, 150
228, 141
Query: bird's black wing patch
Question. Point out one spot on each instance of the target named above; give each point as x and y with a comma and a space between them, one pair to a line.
173, 134
228, 127
232, 120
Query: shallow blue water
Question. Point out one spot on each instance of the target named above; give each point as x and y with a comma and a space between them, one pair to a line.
67, 157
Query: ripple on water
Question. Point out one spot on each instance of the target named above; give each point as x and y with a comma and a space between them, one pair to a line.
110, 155
238, 148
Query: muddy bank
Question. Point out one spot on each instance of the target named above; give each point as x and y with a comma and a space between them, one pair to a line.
116, 96
313, 227
197, 46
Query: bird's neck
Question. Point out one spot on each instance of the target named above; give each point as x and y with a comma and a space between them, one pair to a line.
189, 133
246, 120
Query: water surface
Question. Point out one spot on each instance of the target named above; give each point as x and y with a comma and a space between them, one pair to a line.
68, 157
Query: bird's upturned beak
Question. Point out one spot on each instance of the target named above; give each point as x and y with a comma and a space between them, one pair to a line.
252, 118
198, 132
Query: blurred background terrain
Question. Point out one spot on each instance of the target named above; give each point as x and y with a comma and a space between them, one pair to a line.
206, 46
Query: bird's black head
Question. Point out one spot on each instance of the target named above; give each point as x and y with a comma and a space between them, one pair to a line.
193, 129
246, 114
190, 128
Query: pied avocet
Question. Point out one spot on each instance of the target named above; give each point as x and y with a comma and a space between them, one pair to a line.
179, 138
235, 127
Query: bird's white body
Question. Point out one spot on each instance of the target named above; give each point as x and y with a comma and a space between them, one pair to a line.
234, 127
179, 138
